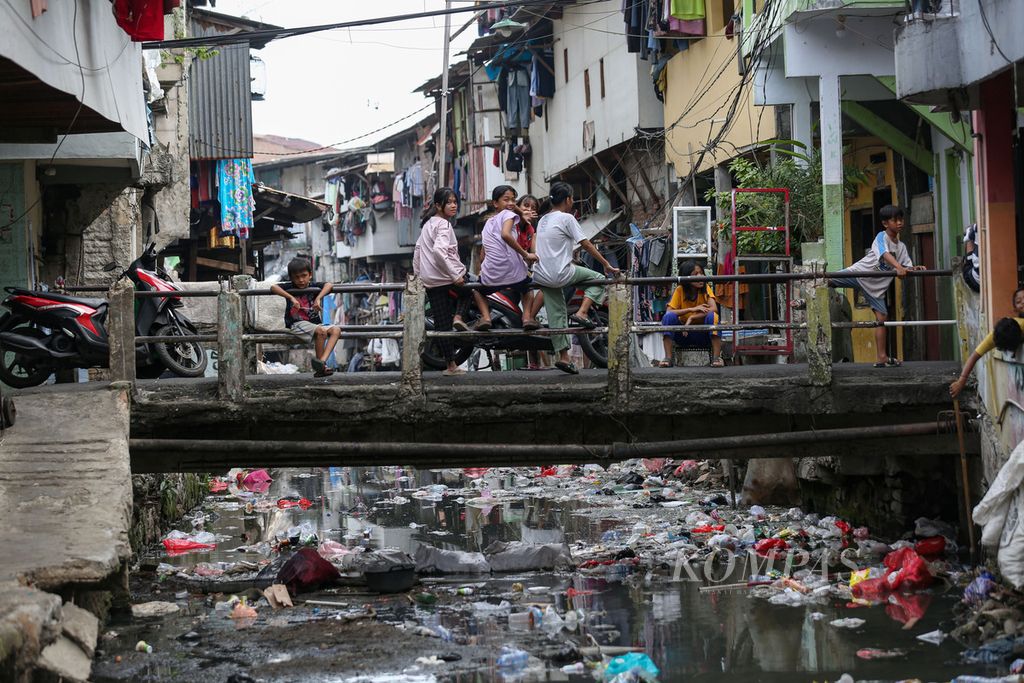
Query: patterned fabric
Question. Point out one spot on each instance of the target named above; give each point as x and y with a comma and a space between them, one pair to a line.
234, 180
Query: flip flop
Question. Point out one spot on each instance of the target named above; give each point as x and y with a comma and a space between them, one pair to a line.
326, 372
461, 326
879, 365
531, 326
718, 363
318, 366
663, 364
583, 322
453, 373
482, 326
567, 367
893, 363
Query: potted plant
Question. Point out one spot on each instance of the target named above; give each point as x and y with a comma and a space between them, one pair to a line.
800, 173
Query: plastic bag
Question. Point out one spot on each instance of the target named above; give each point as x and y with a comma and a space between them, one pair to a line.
908, 570
517, 556
177, 542
977, 591
770, 545
306, 571
635, 663
932, 546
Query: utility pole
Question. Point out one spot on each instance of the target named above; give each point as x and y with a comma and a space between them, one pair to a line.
442, 145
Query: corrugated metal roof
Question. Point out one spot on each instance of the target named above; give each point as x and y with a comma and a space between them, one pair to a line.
220, 100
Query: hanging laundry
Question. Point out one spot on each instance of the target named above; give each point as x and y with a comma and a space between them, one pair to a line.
414, 178
518, 100
542, 73
142, 19
688, 10
234, 180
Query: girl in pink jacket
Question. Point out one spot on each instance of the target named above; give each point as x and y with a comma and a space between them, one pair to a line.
436, 262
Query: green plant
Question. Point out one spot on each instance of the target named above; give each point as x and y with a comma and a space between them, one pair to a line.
798, 172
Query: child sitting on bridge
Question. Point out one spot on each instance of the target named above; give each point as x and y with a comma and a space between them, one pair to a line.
1005, 336
887, 253
302, 315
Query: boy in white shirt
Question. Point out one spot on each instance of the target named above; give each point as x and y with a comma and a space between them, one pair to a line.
887, 253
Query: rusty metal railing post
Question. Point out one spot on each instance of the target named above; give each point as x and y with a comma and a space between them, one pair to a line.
121, 331
819, 337
620, 325
230, 347
413, 337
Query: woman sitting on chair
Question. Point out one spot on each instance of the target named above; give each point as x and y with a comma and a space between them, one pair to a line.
692, 303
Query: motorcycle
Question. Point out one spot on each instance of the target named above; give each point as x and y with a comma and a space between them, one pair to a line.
507, 314
43, 332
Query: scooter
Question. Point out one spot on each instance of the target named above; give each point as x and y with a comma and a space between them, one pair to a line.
507, 314
43, 332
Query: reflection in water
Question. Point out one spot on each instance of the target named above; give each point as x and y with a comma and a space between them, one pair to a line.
717, 634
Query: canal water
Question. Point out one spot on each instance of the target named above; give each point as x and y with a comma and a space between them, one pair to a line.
706, 630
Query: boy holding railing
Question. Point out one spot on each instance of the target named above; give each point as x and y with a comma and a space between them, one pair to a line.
302, 314
887, 253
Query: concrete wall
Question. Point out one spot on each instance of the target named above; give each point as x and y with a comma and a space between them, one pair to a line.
167, 169
935, 56
629, 100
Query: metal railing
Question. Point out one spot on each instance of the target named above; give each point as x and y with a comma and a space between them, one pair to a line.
232, 319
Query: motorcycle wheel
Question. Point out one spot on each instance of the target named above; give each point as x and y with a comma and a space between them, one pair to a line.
595, 346
20, 371
184, 358
432, 358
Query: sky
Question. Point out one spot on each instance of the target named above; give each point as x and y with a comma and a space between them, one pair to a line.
332, 86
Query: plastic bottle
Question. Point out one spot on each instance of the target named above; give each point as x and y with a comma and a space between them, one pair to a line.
465, 590
577, 668
513, 659
143, 646
519, 621
571, 620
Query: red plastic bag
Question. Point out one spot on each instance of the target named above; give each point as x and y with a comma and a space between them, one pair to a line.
908, 570
931, 546
218, 485
475, 472
707, 528
306, 571
181, 545
769, 545
551, 471
303, 503
872, 590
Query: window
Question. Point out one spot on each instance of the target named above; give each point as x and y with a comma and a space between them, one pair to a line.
601, 63
565, 63
586, 86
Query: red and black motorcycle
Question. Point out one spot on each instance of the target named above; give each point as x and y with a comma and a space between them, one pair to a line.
43, 332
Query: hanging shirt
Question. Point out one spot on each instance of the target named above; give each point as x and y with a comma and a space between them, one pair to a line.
414, 177
558, 233
874, 262
502, 263
436, 256
235, 179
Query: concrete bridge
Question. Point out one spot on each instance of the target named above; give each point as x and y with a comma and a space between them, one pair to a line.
518, 418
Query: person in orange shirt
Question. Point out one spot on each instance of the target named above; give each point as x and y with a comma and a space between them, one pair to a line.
692, 304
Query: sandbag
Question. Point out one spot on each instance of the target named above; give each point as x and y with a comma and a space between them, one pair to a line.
430, 559
517, 556
1001, 516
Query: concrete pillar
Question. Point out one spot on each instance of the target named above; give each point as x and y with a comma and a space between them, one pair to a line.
832, 169
819, 337
238, 283
620, 323
413, 337
121, 331
803, 127
231, 350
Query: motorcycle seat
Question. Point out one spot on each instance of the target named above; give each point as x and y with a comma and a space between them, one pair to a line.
91, 302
